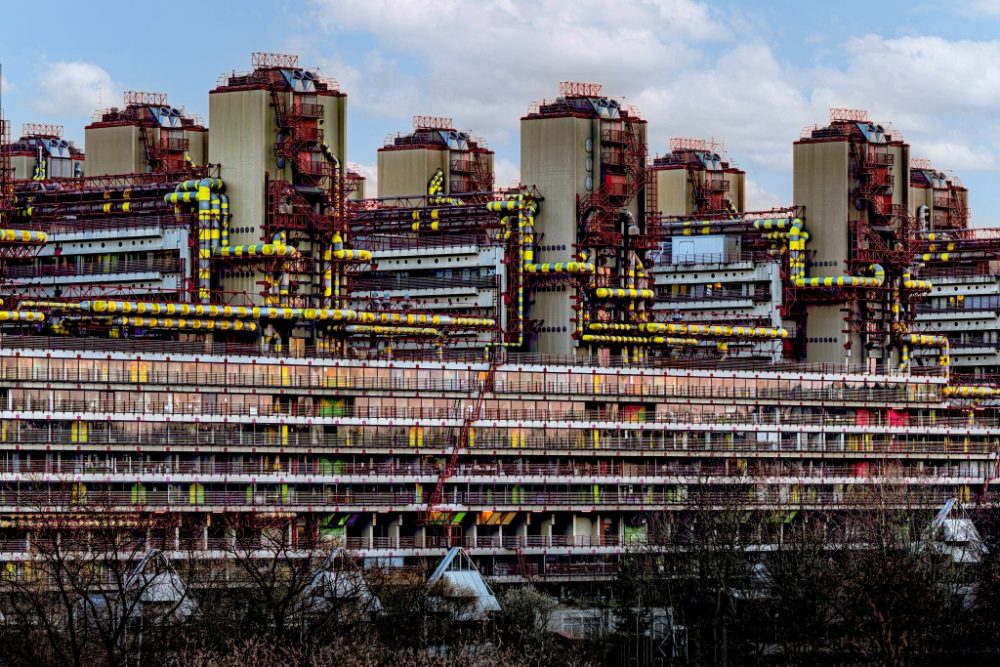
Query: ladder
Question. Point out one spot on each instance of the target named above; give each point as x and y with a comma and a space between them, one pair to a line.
431, 516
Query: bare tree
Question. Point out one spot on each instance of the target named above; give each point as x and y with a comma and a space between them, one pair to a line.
89, 588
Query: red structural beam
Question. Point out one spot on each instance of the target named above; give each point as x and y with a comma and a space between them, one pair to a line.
41, 130
264, 59
141, 97
580, 89
432, 123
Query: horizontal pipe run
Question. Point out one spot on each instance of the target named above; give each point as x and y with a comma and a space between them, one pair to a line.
65, 306
104, 307
348, 255
963, 391
257, 250
422, 318
206, 310
23, 236
560, 267
21, 316
714, 330
169, 323
623, 293
930, 340
797, 238
379, 330
640, 340
611, 326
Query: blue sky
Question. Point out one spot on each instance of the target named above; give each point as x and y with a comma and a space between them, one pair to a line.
749, 75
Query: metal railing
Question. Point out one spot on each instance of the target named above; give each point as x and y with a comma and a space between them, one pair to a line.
114, 265
236, 406
439, 439
588, 385
499, 472
201, 349
753, 496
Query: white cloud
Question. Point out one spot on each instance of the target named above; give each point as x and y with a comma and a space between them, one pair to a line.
689, 67
978, 7
73, 89
745, 98
484, 62
370, 172
506, 174
759, 199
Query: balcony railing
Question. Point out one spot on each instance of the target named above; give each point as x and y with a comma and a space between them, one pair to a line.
582, 473
750, 497
534, 442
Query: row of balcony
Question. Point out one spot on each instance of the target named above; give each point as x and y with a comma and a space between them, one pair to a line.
751, 420
581, 472
520, 442
285, 497
586, 385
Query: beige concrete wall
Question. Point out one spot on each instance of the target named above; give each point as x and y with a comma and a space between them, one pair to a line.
673, 192
243, 136
737, 189
197, 146
825, 336
359, 193
24, 166
244, 132
114, 150
675, 195
334, 124
820, 184
553, 158
405, 173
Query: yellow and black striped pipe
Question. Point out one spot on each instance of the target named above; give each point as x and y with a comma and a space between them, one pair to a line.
23, 237
797, 238
714, 330
196, 324
21, 316
108, 307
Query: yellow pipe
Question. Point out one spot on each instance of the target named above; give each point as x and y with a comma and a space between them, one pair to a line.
526, 209
66, 306
620, 293
104, 307
21, 316
204, 310
611, 326
169, 323
421, 318
392, 331
639, 340
911, 284
715, 330
928, 340
257, 250
23, 236
964, 391
436, 184
353, 255
797, 238
560, 267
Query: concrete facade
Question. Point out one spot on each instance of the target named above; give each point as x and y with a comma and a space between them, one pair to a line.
829, 184
244, 144
405, 172
554, 158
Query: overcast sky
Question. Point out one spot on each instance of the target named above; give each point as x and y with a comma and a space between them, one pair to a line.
751, 75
